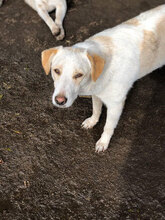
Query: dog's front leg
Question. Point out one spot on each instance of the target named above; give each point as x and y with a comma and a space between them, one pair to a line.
43, 13
60, 14
114, 110
92, 121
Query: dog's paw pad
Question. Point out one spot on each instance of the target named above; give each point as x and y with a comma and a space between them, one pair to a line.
89, 123
100, 146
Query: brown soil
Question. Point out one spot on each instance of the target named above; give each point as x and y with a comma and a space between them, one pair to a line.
48, 167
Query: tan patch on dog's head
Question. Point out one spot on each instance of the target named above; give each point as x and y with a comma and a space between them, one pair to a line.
46, 58
76, 49
97, 64
133, 21
149, 50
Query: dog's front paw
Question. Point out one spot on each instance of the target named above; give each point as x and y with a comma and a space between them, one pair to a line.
89, 123
61, 34
60, 37
55, 30
101, 146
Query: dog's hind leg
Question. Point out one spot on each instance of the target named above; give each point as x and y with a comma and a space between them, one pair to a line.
43, 13
59, 17
1, 2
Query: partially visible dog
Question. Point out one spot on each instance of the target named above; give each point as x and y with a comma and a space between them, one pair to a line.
1, 2
43, 7
106, 66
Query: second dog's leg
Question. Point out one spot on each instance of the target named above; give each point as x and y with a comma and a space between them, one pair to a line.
1, 2
92, 121
60, 14
48, 20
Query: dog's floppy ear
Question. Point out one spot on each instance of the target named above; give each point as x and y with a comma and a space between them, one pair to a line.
97, 64
46, 58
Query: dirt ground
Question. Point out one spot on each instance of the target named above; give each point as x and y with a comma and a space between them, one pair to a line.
48, 167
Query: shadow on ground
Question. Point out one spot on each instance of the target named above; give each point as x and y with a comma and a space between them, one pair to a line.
48, 167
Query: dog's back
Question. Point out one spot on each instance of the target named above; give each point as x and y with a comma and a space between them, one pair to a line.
145, 33
152, 25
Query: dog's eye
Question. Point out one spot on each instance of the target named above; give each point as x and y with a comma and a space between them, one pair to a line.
78, 75
57, 71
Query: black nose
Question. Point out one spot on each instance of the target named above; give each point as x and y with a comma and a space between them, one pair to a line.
60, 100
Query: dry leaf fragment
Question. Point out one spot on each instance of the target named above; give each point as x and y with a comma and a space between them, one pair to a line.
17, 132
6, 86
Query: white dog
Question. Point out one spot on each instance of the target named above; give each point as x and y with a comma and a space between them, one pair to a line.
45, 6
106, 65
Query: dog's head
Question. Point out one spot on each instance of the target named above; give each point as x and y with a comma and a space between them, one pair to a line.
71, 69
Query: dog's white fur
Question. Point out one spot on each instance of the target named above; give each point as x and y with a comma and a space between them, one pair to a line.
110, 61
43, 7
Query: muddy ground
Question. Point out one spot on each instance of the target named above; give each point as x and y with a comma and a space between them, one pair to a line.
48, 166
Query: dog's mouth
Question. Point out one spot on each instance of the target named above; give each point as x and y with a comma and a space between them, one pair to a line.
61, 106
